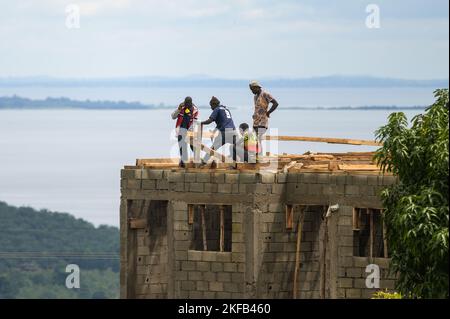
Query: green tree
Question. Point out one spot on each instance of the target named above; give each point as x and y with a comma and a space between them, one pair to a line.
417, 213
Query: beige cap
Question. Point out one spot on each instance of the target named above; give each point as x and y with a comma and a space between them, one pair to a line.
254, 84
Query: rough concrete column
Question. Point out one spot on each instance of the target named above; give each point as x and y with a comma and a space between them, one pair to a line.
251, 231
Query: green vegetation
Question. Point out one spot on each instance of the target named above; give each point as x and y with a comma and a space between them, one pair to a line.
386, 295
36, 247
417, 213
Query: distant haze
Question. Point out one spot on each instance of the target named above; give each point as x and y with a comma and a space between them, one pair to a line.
241, 39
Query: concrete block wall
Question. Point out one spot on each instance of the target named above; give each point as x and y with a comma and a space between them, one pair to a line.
262, 261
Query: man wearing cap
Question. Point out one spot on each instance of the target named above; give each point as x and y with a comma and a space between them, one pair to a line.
185, 115
262, 100
224, 124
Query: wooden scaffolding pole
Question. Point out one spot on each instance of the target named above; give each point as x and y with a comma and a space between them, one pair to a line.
323, 273
222, 228
202, 214
298, 251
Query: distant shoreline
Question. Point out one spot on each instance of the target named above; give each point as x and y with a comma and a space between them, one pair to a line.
18, 103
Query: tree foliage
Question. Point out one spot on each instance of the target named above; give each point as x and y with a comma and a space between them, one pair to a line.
417, 213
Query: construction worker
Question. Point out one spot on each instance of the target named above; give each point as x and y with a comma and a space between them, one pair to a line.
247, 144
185, 115
262, 100
224, 125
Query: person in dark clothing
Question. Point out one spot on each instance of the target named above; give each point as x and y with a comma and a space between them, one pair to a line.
221, 115
185, 115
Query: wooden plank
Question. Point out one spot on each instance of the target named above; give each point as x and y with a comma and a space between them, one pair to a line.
298, 250
190, 214
289, 216
202, 214
220, 156
358, 167
355, 219
222, 227
372, 232
323, 255
329, 140
137, 223
385, 243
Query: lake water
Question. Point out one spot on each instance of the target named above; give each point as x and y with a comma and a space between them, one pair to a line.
70, 160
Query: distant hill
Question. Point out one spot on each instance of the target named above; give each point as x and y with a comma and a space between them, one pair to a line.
36, 246
17, 102
333, 81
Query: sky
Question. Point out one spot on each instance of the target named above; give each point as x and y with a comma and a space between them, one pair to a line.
224, 38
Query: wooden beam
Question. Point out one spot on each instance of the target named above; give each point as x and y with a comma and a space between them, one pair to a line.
358, 167
385, 243
289, 216
220, 156
202, 214
355, 218
222, 228
190, 214
329, 140
371, 226
298, 250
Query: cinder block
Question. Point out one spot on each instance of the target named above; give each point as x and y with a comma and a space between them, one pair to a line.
230, 267
315, 189
281, 178
196, 187
354, 272
202, 285
247, 178
134, 184
216, 267
309, 178
361, 261
209, 276
345, 283
187, 285
203, 177
224, 188
210, 188
193, 294
176, 177
237, 277
346, 251
127, 173
267, 178
230, 287
162, 184
190, 177
292, 178
372, 180
216, 286
203, 266
231, 178
236, 228
218, 178
235, 188
238, 257
177, 187
359, 282
278, 188
340, 179
360, 180
353, 293
149, 184
224, 277
223, 257
389, 180
194, 275
194, 255
323, 178
188, 265
263, 189
344, 220
351, 190
152, 174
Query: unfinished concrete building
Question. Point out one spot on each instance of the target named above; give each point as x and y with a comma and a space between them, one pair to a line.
310, 228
